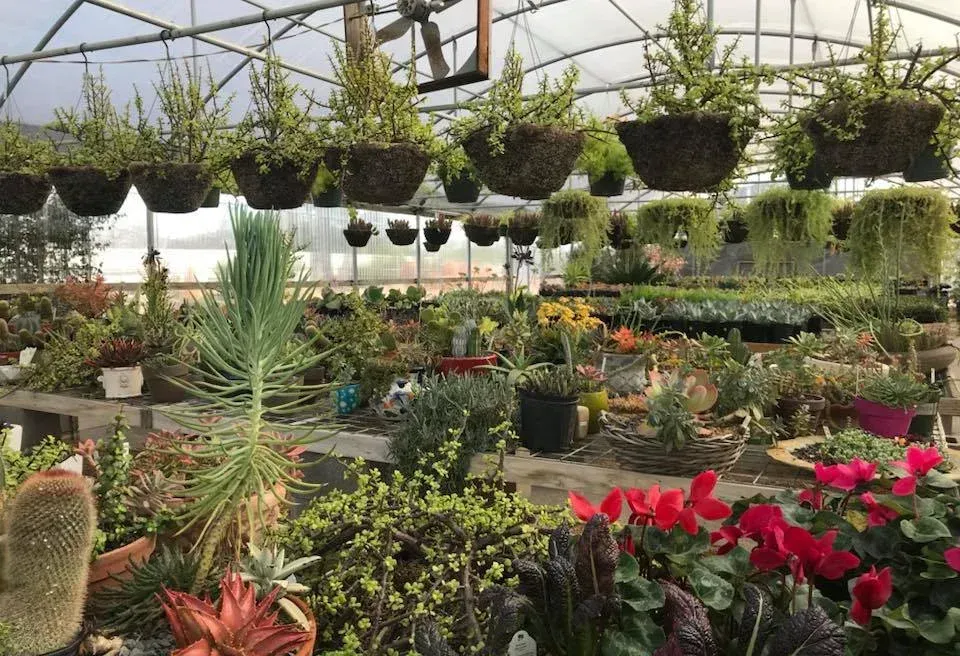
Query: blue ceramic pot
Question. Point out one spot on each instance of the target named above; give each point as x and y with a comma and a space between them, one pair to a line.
347, 398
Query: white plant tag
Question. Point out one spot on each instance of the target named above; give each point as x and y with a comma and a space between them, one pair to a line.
522, 645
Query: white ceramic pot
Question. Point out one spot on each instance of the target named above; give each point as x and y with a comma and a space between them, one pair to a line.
14, 437
9, 373
122, 382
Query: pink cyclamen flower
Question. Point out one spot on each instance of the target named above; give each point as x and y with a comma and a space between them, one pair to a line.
662, 509
871, 591
952, 556
812, 497
611, 506
878, 514
702, 503
918, 464
847, 476
815, 557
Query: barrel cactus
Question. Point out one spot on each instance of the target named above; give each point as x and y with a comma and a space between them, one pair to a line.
49, 537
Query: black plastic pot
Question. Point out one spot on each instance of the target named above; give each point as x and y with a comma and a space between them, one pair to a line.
160, 382
926, 166
431, 247
212, 199
695, 328
462, 189
923, 422
358, 238
816, 176
481, 235
402, 236
735, 232
22, 193
436, 236
523, 236
332, 197
754, 332
547, 425
607, 185
781, 332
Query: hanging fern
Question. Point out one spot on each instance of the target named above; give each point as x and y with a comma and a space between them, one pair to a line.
787, 226
660, 221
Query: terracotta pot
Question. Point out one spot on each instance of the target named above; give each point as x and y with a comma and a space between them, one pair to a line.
840, 415
306, 649
788, 408
113, 565
465, 365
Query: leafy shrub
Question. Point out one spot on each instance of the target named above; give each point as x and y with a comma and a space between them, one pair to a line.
18, 466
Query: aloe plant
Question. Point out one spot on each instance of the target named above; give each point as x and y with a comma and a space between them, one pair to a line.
516, 370
268, 570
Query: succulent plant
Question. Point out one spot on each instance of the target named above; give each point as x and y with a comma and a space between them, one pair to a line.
699, 393
119, 352
268, 570
238, 624
398, 224
49, 538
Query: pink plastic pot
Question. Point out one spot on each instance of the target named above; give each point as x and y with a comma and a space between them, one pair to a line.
881, 420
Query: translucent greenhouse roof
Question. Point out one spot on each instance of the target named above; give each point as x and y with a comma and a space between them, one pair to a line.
604, 38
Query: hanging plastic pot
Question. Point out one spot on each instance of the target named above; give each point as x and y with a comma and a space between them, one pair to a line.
609, 184
384, 174
815, 176
463, 188
536, 159
431, 247
212, 199
893, 131
481, 235
692, 151
926, 166
735, 232
402, 236
438, 236
89, 190
171, 187
284, 186
358, 238
332, 197
523, 236
22, 193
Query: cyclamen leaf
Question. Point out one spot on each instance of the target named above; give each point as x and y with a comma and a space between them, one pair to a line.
627, 568
641, 594
808, 633
925, 529
711, 589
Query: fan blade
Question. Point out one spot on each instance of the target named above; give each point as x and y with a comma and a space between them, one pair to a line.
470, 65
394, 30
444, 6
431, 41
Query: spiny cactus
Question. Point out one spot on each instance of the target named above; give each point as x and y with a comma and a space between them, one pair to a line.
45, 308
49, 537
4, 310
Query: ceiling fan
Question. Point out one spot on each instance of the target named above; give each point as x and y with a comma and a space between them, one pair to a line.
418, 11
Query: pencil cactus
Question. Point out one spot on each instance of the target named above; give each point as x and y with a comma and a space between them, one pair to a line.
49, 537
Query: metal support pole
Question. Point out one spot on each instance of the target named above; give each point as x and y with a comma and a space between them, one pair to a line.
759, 32
469, 265
356, 270
508, 267
418, 249
194, 45
151, 232
713, 55
793, 28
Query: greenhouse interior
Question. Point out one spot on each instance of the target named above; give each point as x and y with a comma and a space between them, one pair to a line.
480, 328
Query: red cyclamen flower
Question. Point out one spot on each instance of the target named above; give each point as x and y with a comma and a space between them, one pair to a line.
813, 497
702, 502
662, 509
952, 556
611, 506
813, 557
918, 464
878, 514
870, 592
846, 477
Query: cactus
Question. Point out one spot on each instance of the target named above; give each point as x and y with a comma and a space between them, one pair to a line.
45, 308
25, 303
4, 310
49, 538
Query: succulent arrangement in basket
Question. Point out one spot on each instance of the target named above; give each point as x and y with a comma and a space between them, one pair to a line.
175, 167
400, 233
24, 186
437, 230
481, 229
674, 403
523, 226
358, 231
523, 146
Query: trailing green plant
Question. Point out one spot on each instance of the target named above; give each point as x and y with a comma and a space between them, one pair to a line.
843, 211
21, 154
574, 216
895, 390
793, 149
603, 153
277, 130
904, 231
664, 222
475, 412
104, 136
190, 122
505, 105
787, 226
326, 180
452, 163
437, 552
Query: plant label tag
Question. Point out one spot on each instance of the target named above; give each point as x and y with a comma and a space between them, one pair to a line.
522, 645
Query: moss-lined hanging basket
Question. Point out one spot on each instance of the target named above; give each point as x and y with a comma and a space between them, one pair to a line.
22, 193
384, 174
171, 187
481, 235
462, 188
284, 186
607, 185
893, 131
536, 159
438, 236
89, 190
692, 151
358, 238
402, 236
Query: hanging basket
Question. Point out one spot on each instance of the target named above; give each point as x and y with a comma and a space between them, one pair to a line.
436, 236
692, 151
523, 236
401, 236
608, 185
461, 189
212, 199
619, 236
333, 159
171, 188
735, 232
384, 174
536, 159
926, 166
332, 197
22, 193
358, 238
894, 130
284, 186
431, 247
639, 452
90, 191
816, 176
481, 235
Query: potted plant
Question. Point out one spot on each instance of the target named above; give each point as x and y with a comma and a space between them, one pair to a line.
461, 181
431, 247
459, 340
24, 186
162, 367
925, 419
481, 229
523, 226
436, 231
275, 151
842, 212
572, 216
796, 158
386, 147
267, 569
593, 394
119, 361
788, 226
672, 221
358, 231
92, 177
800, 405
692, 127
876, 120
174, 173
326, 189
548, 408
604, 159
400, 233
886, 404
523, 146
620, 232
931, 163
734, 226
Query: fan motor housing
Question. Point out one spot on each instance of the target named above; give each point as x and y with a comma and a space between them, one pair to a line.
418, 10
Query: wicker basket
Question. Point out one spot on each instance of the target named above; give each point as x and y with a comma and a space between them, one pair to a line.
641, 453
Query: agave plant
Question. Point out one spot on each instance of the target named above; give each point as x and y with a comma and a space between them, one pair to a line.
268, 571
700, 393
516, 370
238, 624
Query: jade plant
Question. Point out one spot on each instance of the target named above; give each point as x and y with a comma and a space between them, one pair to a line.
23, 167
